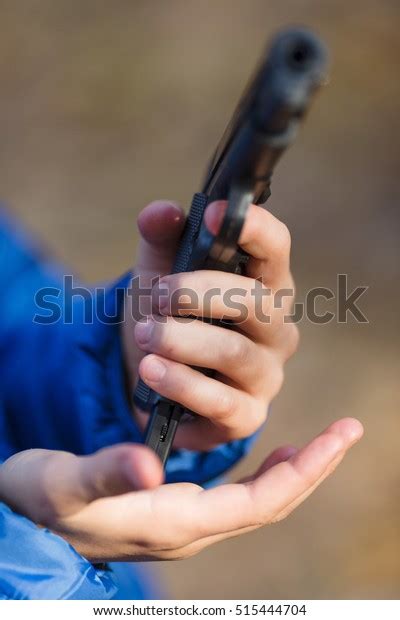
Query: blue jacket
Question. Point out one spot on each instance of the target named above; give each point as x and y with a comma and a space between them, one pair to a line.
62, 387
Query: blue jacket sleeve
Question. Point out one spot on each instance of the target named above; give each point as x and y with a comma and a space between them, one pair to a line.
36, 564
62, 381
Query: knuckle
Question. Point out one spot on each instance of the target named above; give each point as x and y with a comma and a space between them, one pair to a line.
293, 339
261, 513
275, 379
257, 417
277, 318
239, 350
289, 339
239, 420
283, 239
225, 406
162, 340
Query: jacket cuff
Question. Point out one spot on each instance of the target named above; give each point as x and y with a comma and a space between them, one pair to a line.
44, 566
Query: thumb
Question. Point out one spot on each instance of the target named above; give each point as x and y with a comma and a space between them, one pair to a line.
46, 485
160, 225
119, 469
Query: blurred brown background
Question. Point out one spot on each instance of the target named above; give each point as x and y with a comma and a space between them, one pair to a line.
107, 105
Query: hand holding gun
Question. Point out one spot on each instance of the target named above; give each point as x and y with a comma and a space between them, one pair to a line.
264, 125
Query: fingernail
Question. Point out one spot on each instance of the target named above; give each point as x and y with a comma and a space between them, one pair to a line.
143, 332
154, 370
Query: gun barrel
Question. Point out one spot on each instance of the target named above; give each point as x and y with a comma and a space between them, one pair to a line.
267, 118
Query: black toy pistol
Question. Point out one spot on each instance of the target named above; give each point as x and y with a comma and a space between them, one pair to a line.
263, 126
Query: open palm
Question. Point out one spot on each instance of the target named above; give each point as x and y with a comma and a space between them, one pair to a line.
111, 506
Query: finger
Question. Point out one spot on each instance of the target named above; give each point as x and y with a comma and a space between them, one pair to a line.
204, 345
226, 296
265, 238
233, 507
288, 481
203, 543
301, 498
160, 225
211, 540
233, 413
277, 456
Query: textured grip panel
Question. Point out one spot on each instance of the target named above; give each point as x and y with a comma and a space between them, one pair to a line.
190, 233
141, 396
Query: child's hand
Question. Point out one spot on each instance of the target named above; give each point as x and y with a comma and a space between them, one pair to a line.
248, 360
110, 506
